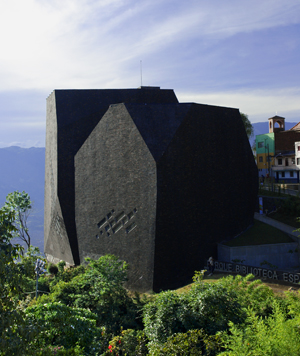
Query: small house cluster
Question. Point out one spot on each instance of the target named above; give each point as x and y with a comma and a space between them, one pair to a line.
278, 152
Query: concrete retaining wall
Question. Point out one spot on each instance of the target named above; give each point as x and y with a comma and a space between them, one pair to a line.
284, 256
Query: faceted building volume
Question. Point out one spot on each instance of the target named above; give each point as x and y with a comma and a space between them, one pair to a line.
135, 173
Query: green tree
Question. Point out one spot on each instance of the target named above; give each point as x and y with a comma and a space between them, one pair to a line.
264, 336
9, 277
250, 292
26, 265
13, 331
60, 325
205, 306
20, 205
100, 288
191, 343
212, 306
248, 126
165, 315
128, 342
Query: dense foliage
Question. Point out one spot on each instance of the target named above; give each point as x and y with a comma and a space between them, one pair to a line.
20, 205
248, 126
60, 325
86, 310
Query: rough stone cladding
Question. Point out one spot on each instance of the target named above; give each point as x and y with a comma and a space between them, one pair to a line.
159, 185
206, 192
71, 117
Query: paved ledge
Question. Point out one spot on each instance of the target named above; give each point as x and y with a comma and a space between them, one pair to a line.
279, 225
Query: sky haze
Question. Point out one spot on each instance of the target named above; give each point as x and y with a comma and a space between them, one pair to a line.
242, 54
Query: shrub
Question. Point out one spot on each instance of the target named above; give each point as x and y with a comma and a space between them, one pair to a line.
129, 342
205, 306
250, 293
191, 343
164, 316
59, 351
291, 206
60, 325
52, 269
99, 288
66, 275
61, 266
263, 336
212, 306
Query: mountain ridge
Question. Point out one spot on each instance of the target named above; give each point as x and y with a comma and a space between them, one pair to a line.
24, 169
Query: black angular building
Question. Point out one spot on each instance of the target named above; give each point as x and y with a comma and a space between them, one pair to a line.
134, 173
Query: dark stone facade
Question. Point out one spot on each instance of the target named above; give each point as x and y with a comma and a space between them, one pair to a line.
71, 117
150, 180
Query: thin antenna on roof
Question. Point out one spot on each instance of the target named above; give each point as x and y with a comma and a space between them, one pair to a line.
141, 69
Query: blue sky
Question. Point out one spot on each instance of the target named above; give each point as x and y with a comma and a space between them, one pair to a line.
243, 54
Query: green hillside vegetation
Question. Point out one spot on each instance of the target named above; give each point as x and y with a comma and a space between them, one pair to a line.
87, 310
287, 208
259, 234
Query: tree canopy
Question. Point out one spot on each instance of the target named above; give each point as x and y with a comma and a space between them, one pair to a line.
87, 311
248, 126
20, 205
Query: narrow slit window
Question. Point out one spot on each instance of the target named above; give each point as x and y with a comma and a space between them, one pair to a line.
101, 223
131, 227
130, 215
117, 227
119, 216
109, 215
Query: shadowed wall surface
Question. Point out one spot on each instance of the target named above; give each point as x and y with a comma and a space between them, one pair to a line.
71, 117
174, 164
155, 182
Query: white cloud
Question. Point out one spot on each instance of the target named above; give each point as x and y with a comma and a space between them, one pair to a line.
53, 44
86, 43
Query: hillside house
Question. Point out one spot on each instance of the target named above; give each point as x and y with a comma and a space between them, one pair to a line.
276, 151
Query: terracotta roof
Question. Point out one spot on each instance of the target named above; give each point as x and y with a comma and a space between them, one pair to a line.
296, 127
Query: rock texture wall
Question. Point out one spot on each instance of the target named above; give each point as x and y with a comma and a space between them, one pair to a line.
71, 117
150, 180
115, 177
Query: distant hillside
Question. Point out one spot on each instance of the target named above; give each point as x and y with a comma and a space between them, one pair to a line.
262, 128
24, 169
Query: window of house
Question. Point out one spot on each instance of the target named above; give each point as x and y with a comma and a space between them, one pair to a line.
279, 161
298, 161
286, 161
291, 174
261, 144
282, 174
293, 160
298, 148
260, 158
